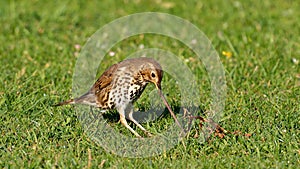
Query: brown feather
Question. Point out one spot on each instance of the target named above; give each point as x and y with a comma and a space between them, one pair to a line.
65, 103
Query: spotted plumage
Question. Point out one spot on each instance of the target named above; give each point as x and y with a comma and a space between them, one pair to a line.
121, 85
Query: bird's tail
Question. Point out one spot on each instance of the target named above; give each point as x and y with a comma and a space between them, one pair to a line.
88, 99
65, 102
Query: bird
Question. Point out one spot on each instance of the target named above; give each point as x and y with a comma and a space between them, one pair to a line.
121, 85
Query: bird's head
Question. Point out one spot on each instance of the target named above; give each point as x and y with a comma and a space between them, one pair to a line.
152, 72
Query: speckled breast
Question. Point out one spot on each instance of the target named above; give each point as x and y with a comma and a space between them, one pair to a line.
126, 89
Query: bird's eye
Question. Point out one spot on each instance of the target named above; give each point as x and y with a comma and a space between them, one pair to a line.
153, 75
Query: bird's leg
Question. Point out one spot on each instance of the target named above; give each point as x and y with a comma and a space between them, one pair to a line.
130, 115
124, 122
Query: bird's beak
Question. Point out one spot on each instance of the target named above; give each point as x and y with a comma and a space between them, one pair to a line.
158, 86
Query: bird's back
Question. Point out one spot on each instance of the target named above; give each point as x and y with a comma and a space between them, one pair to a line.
120, 84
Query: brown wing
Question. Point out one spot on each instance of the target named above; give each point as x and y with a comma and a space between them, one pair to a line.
103, 85
105, 79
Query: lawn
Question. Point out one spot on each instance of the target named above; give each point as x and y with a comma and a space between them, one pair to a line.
259, 46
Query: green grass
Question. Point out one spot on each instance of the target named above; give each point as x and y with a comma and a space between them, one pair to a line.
37, 63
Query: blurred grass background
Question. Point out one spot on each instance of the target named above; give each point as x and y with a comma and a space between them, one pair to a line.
259, 46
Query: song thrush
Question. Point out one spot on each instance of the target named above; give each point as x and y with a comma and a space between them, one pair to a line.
121, 85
